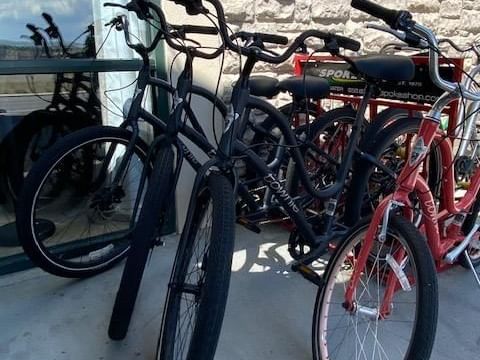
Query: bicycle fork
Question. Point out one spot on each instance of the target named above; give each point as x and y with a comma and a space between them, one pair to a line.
405, 185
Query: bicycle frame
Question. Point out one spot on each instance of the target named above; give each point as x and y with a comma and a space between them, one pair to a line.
194, 133
441, 236
241, 99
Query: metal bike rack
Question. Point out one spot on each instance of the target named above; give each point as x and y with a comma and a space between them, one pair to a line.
416, 95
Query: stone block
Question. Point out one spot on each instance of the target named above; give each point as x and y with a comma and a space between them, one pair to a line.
275, 10
239, 11
331, 11
450, 9
423, 6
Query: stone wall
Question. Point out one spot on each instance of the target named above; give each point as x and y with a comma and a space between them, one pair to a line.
455, 19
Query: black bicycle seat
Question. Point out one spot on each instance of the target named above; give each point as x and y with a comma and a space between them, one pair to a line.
305, 86
384, 67
263, 86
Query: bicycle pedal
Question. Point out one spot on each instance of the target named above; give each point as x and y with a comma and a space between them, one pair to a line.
249, 225
308, 274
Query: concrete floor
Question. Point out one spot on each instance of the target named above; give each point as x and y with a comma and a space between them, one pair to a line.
43, 317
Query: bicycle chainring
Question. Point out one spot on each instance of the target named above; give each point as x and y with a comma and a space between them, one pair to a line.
296, 246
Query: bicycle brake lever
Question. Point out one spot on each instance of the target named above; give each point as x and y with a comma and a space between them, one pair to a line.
116, 21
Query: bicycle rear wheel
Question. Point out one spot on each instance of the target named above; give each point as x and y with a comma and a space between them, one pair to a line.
330, 133
403, 328
150, 220
70, 220
37, 132
198, 288
390, 147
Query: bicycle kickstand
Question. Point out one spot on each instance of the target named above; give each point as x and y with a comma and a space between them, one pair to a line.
470, 264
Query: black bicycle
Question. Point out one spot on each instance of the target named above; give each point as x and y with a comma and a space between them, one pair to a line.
196, 340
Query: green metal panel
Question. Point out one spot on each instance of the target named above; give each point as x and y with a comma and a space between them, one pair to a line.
162, 111
54, 66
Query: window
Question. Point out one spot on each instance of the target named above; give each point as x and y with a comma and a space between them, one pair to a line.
27, 34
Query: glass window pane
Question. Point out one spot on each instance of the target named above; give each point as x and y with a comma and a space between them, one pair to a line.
39, 40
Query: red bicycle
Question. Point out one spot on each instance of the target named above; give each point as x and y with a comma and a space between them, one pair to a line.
373, 279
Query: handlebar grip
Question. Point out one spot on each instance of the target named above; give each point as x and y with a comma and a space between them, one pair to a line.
48, 18
391, 17
109, 4
272, 39
196, 29
32, 28
347, 43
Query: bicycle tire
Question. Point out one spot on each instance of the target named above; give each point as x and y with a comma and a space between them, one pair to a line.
329, 120
384, 119
155, 203
425, 315
268, 125
22, 136
215, 262
360, 206
54, 260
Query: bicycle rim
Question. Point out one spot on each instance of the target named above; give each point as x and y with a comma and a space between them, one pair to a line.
78, 220
365, 333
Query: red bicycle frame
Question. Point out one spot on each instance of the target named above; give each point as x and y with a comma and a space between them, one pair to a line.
441, 235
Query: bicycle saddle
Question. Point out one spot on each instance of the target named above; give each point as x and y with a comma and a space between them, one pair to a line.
382, 67
263, 86
308, 86
311, 86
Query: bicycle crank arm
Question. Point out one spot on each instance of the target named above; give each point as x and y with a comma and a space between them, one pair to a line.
452, 256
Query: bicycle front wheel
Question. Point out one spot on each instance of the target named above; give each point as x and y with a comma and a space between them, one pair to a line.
198, 287
150, 220
399, 269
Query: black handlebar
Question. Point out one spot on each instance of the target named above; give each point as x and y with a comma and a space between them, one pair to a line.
195, 29
37, 38
345, 42
139, 7
396, 19
142, 9
266, 38
277, 59
378, 11
48, 18
53, 32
